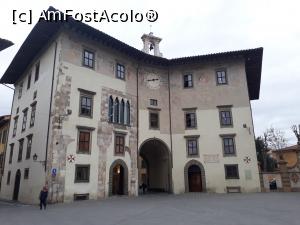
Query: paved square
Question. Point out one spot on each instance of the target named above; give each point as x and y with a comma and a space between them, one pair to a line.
204, 209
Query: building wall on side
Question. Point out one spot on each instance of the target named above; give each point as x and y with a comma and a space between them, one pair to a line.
205, 96
3, 142
102, 81
30, 188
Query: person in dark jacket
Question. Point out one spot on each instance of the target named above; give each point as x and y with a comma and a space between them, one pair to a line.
43, 197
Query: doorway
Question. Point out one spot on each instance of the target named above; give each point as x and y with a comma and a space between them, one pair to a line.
17, 186
118, 178
194, 176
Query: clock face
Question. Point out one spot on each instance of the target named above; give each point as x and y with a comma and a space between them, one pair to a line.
152, 81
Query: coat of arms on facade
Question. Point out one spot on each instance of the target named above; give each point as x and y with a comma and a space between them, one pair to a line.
295, 178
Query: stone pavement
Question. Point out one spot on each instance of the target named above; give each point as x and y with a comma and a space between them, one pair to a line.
201, 209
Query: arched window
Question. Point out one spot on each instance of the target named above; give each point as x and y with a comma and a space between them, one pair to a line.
122, 112
127, 113
111, 109
116, 111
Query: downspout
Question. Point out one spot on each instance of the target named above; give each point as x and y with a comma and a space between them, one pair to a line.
53, 72
137, 120
170, 127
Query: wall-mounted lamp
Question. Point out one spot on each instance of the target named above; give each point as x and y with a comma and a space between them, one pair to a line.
246, 127
35, 157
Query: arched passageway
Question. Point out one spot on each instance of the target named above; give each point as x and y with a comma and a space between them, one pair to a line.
155, 166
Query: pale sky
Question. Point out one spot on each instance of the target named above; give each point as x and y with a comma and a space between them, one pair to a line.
194, 28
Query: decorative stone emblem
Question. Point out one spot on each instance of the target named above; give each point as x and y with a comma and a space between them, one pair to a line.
71, 158
247, 159
295, 178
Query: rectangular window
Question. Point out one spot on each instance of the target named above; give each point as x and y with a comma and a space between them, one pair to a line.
188, 81
34, 95
20, 90
17, 110
82, 173
190, 120
231, 171
4, 135
84, 140
32, 116
80, 197
86, 104
88, 59
154, 120
8, 178
15, 126
153, 102
29, 80
225, 115
192, 146
29, 145
221, 77
37, 71
20, 154
228, 146
119, 144
1, 161
24, 119
11, 153
26, 173
120, 73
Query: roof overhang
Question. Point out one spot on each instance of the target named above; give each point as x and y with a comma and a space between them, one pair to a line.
44, 31
5, 44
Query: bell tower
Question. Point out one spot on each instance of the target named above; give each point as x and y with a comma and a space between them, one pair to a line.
151, 43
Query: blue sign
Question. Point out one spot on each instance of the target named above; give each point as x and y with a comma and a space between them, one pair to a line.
53, 172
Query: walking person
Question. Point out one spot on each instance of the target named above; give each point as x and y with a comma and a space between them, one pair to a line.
43, 197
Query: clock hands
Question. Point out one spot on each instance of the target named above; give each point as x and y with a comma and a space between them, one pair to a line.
154, 79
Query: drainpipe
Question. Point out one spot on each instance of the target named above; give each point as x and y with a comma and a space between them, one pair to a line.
137, 123
170, 124
53, 72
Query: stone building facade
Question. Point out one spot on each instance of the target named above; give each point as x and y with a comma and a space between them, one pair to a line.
105, 118
4, 126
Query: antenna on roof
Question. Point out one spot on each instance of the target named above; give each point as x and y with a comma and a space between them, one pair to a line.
151, 29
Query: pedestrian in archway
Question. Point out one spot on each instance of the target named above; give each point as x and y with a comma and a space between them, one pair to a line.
43, 197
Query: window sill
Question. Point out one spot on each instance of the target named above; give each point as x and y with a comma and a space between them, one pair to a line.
86, 116
190, 128
226, 126
193, 156
89, 67
154, 128
229, 155
83, 153
232, 178
81, 181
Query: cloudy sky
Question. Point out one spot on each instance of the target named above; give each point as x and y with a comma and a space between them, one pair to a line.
195, 28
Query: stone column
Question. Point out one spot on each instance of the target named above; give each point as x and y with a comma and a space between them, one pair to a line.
285, 178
